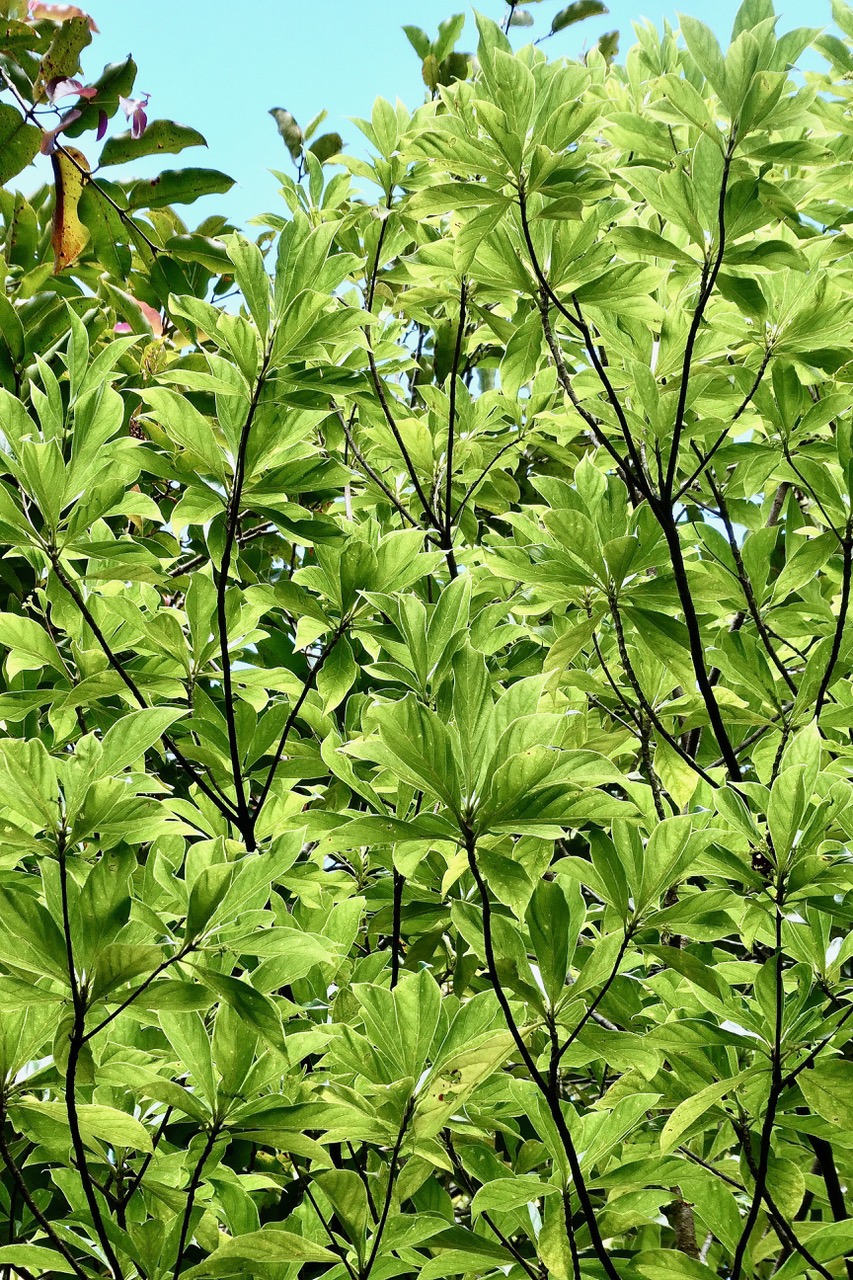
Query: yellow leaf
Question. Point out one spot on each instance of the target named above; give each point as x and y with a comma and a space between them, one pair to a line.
69, 236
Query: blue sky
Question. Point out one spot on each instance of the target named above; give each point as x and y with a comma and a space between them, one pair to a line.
220, 65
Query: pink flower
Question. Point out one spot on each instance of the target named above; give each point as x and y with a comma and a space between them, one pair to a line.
134, 109
63, 87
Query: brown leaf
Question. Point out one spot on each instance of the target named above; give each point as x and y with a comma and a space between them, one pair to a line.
69, 236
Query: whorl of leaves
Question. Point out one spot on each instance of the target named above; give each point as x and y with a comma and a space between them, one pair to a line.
427, 720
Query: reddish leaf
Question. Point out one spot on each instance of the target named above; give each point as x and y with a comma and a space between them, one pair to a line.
38, 12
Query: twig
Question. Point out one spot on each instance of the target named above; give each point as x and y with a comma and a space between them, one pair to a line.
294, 712
396, 925
76, 1041
710, 271
467, 1186
192, 1190
24, 1191
152, 977
591, 1008
364, 1272
451, 432
533, 1071
401, 444
232, 520
644, 701
221, 804
847, 565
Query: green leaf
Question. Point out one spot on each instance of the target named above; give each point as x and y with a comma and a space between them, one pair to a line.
660, 1264
177, 186
160, 137
185, 426
29, 642
327, 146
70, 38
19, 142
705, 51
97, 1123
107, 233
132, 735
550, 927
510, 1193
522, 355
577, 12
337, 676
34, 1256
251, 276
256, 1251
693, 1108
115, 81
828, 1089
291, 134
253, 1008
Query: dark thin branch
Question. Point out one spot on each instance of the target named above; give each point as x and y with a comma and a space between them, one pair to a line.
382, 397
746, 585
76, 1041
197, 562
704, 459
359, 1160
733, 1182
591, 421
374, 475
380, 242
334, 1243
192, 1190
834, 1190
232, 522
593, 1006
467, 1186
776, 1090
639, 474
475, 484
785, 1231
85, 173
72, 589
396, 925
294, 712
507, 22
847, 566
648, 766
136, 1180
812, 1055
736, 624
24, 1192
553, 1102
365, 1271
638, 478
644, 701
631, 710
152, 977
810, 491
710, 271
697, 649
451, 414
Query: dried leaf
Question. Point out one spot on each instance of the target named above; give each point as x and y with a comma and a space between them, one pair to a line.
69, 236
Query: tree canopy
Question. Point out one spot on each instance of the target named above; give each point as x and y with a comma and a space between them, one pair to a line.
426, 715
